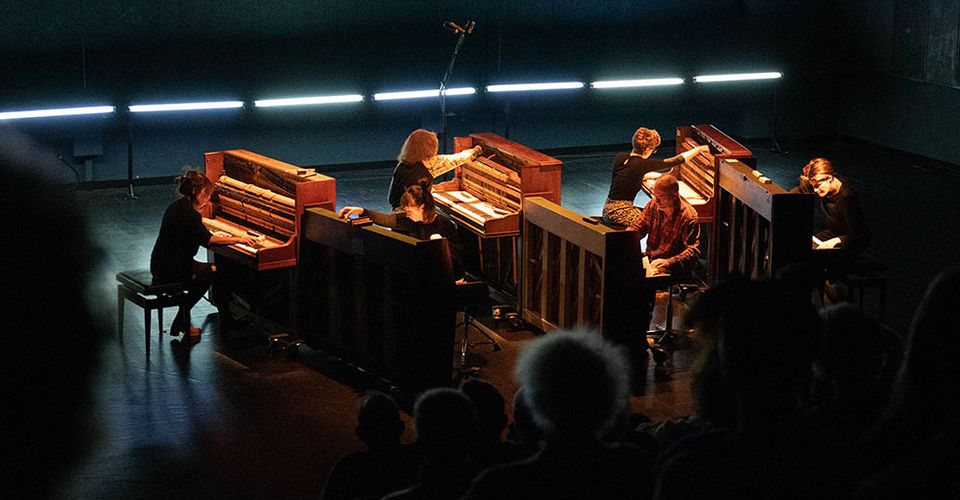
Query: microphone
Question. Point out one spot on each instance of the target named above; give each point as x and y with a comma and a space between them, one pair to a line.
470, 26
452, 26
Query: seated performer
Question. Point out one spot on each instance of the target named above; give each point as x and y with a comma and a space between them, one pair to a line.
847, 228
418, 219
181, 234
672, 229
628, 171
418, 160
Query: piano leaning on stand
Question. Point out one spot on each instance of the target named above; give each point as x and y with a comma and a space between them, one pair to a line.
263, 198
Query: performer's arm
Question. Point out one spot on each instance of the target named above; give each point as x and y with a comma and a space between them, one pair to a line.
378, 218
441, 164
686, 155
690, 233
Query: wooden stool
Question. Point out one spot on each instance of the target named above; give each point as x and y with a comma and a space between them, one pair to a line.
137, 287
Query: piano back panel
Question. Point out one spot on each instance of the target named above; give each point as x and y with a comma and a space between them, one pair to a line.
578, 273
305, 187
760, 228
378, 299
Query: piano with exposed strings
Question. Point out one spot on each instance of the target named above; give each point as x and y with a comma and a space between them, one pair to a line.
698, 176
485, 198
263, 198
486, 194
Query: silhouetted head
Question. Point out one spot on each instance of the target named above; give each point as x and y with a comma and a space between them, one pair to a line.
575, 383
764, 335
446, 423
489, 405
194, 186
378, 421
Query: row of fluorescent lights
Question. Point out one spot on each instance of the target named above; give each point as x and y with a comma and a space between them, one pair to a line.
387, 96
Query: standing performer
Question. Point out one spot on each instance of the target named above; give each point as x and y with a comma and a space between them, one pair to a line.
418, 160
628, 171
181, 234
419, 219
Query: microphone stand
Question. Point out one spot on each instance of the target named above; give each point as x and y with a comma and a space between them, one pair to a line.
443, 83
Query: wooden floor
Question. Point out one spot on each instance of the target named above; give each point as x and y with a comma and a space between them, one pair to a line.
239, 421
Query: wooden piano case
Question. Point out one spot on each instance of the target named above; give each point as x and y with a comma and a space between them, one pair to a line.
486, 198
578, 272
378, 299
760, 226
259, 195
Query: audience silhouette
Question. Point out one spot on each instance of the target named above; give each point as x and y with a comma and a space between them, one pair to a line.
48, 262
446, 430
489, 449
576, 386
914, 449
385, 466
764, 335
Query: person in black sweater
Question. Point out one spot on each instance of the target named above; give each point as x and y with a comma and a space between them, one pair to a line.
418, 219
419, 162
628, 171
181, 234
847, 228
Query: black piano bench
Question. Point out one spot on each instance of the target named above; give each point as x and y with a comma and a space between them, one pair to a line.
865, 272
137, 287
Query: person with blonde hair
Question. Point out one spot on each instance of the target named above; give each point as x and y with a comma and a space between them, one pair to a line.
418, 161
628, 171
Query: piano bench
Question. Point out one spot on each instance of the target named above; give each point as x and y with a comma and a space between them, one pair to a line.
137, 286
866, 272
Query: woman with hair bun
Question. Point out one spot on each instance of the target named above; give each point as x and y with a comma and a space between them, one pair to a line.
417, 218
181, 234
419, 161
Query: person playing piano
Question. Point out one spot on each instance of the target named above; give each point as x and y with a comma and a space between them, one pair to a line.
672, 229
181, 234
628, 171
418, 219
846, 235
418, 160
847, 228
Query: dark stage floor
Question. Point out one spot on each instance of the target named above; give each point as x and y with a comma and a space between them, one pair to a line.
256, 424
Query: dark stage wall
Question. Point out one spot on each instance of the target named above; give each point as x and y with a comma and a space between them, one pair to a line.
137, 51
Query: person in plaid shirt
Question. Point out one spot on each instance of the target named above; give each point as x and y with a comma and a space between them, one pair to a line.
672, 229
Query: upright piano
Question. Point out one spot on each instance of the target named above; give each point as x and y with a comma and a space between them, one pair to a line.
698, 176
760, 226
378, 299
486, 197
579, 272
263, 198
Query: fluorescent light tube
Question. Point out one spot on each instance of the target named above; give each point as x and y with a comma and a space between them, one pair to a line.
184, 106
306, 101
418, 94
40, 113
648, 82
524, 87
738, 77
